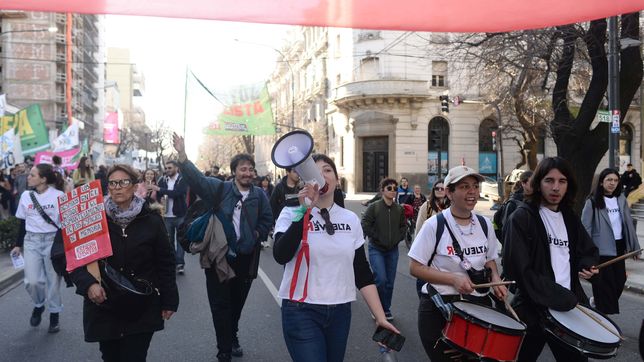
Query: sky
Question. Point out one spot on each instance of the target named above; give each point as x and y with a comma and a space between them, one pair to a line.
162, 48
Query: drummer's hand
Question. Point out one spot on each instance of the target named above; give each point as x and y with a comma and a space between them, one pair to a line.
500, 291
310, 191
462, 284
96, 294
587, 274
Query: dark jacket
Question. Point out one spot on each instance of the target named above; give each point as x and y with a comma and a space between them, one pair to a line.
278, 197
256, 219
144, 250
178, 194
526, 259
384, 225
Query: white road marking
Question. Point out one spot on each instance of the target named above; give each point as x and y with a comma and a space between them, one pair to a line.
270, 286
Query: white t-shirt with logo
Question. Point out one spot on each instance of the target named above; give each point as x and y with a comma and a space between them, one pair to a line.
35, 223
237, 212
615, 217
559, 245
477, 249
331, 274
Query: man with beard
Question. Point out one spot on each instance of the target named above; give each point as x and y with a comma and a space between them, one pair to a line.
546, 251
243, 209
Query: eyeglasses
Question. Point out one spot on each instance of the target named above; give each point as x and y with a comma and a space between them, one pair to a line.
119, 183
439, 188
390, 188
328, 226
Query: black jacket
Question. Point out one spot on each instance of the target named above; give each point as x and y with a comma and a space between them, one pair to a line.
278, 197
143, 249
178, 194
526, 259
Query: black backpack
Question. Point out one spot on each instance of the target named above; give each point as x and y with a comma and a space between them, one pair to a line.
499, 218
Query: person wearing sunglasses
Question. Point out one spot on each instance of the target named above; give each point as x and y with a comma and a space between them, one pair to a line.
436, 203
321, 246
384, 225
141, 251
446, 261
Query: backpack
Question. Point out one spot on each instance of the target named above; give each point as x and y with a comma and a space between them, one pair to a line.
499, 218
198, 215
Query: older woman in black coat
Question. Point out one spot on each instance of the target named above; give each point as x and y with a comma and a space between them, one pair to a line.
122, 323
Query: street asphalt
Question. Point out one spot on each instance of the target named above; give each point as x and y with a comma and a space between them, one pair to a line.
189, 335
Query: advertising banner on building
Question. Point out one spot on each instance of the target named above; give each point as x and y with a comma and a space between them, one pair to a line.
111, 128
70, 158
84, 225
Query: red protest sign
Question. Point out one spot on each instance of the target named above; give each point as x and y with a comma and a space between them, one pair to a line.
84, 224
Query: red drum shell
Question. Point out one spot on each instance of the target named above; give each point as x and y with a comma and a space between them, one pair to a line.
482, 338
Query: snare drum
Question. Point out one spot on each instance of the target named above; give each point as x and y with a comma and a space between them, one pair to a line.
582, 333
483, 332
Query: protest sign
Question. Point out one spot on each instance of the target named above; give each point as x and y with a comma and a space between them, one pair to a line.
84, 224
69, 158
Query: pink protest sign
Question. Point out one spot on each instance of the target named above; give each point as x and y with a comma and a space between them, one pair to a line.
85, 233
69, 162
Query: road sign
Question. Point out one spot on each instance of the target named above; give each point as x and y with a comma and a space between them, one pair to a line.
604, 116
614, 128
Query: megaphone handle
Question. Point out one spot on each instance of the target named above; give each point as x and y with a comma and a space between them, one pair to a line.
308, 202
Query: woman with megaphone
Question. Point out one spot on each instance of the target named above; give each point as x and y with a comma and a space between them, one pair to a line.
322, 247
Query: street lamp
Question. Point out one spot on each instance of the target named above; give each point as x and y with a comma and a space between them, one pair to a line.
51, 29
288, 63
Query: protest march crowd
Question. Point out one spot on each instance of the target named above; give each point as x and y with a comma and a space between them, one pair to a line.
465, 296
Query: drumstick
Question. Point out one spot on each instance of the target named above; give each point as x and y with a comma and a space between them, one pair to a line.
509, 307
493, 284
599, 322
615, 260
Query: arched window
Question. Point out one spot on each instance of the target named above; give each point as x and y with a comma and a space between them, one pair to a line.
438, 149
625, 140
487, 149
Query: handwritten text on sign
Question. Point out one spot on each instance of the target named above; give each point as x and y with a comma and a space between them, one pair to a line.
84, 224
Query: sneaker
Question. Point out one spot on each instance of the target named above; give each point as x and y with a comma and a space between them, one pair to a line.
237, 350
54, 326
180, 269
36, 316
389, 316
224, 357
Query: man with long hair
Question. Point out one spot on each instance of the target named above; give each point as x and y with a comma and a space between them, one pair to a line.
546, 251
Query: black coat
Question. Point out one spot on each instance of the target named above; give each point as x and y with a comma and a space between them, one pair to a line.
144, 250
526, 259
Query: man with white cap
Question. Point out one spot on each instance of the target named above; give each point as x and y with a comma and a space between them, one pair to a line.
453, 251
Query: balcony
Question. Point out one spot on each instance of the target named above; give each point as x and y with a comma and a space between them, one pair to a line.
355, 94
61, 77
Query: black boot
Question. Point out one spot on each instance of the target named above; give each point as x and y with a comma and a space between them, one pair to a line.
224, 357
36, 316
54, 327
237, 350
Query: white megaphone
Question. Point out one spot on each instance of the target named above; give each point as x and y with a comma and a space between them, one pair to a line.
293, 150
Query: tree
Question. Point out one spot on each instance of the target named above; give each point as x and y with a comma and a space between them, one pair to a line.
576, 141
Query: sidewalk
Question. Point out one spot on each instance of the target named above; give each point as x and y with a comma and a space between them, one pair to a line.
9, 277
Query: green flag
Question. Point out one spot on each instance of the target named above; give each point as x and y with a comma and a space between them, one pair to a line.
247, 109
32, 130
84, 151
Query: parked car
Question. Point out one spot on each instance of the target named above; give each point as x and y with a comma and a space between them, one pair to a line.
489, 189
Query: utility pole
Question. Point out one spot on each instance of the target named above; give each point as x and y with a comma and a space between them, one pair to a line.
613, 93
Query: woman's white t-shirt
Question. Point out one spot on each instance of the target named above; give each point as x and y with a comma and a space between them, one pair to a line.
331, 275
559, 245
615, 217
477, 249
35, 223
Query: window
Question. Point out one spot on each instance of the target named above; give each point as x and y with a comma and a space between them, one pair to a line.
439, 74
625, 140
485, 135
369, 68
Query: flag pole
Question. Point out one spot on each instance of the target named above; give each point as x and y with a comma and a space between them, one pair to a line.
185, 102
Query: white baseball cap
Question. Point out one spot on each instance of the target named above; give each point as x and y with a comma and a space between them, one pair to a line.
457, 173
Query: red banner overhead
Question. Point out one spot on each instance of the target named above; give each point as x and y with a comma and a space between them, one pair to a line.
415, 15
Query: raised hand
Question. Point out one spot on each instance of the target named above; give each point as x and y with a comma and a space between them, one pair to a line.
179, 144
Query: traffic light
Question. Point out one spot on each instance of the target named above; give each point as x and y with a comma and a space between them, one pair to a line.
493, 140
444, 103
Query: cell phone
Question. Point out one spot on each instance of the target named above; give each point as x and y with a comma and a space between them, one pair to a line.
389, 339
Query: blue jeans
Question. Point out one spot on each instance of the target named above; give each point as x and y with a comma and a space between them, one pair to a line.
316, 333
383, 265
171, 226
41, 281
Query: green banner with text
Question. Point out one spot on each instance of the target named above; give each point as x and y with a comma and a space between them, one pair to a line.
31, 129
